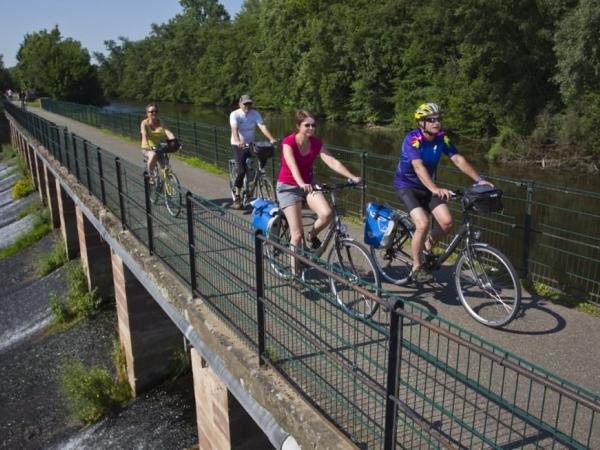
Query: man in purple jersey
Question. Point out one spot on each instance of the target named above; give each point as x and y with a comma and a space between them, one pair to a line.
421, 151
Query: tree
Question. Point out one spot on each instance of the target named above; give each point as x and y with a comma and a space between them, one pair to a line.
57, 68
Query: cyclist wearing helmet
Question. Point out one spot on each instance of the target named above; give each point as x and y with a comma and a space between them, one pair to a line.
421, 151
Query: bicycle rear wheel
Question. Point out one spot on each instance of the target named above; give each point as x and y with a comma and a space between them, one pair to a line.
487, 285
173, 198
352, 261
279, 231
232, 175
265, 189
395, 262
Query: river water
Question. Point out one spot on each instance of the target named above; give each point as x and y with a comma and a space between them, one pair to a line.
376, 140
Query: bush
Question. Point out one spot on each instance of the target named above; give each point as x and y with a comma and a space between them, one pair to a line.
80, 303
89, 393
22, 188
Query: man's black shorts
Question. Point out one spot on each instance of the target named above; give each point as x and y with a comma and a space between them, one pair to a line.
419, 198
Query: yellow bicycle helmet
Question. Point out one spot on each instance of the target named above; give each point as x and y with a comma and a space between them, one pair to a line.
426, 110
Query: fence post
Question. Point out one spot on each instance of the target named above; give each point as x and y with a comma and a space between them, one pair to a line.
101, 176
66, 141
191, 243
148, 212
86, 158
260, 292
75, 156
363, 192
527, 227
393, 375
216, 147
120, 191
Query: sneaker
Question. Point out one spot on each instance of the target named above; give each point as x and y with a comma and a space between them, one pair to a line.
421, 275
314, 241
237, 203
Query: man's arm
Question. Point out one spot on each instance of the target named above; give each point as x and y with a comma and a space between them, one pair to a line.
266, 132
465, 167
427, 181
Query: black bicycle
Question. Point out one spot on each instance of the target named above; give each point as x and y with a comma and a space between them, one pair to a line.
256, 183
485, 280
346, 256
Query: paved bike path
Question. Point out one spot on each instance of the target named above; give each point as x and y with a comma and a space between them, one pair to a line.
556, 338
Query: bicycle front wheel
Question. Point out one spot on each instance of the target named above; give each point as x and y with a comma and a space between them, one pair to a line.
487, 285
351, 260
155, 185
279, 231
395, 262
173, 198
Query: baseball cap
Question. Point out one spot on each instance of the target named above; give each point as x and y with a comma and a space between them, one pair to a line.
245, 99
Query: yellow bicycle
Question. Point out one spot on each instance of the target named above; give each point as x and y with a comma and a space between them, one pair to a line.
163, 181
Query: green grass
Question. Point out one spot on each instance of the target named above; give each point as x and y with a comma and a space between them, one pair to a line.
22, 188
8, 152
41, 227
79, 303
194, 161
561, 298
52, 260
32, 208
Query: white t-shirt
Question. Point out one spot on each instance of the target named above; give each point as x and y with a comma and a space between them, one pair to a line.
245, 123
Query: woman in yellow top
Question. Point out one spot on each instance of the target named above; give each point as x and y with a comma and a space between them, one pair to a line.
152, 133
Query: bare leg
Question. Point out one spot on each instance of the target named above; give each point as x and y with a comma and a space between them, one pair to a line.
293, 214
319, 204
441, 225
421, 220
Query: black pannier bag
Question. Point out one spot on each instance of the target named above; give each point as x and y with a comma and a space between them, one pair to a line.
168, 146
263, 149
483, 198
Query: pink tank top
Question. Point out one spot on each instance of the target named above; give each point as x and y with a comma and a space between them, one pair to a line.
304, 163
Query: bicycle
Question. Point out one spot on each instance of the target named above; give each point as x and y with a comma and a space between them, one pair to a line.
485, 280
164, 181
346, 256
253, 179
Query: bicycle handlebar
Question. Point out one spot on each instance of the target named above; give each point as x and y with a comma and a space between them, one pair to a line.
325, 187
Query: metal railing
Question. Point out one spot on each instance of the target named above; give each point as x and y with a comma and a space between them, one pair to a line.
401, 379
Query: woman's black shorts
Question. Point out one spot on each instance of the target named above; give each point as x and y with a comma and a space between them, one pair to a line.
419, 198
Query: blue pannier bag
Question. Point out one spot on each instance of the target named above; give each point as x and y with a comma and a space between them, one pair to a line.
379, 226
263, 214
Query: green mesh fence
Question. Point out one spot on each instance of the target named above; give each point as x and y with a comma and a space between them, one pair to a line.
400, 379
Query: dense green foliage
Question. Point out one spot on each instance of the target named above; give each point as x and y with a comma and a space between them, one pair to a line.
22, 188
524, 72
6, 80
57, 67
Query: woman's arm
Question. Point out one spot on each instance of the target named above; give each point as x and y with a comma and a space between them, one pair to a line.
335, 165
169, 134
144, 135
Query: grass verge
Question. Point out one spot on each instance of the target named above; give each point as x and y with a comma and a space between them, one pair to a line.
55, 258
562, 298
41, 227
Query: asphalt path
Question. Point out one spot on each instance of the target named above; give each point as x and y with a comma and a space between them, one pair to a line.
559, 339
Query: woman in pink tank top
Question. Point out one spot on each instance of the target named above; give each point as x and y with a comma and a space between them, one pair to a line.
300, 150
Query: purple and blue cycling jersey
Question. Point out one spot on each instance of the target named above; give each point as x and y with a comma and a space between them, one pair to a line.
414, 147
